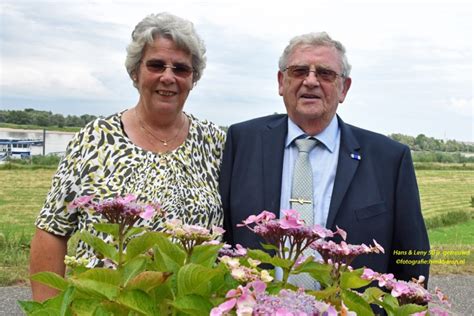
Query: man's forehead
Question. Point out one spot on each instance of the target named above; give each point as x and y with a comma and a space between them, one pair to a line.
302, 52
313, 47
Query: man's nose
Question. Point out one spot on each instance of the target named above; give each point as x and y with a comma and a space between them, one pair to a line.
311, 79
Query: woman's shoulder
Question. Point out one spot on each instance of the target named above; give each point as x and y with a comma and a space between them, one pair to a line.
209, 128
111, 122
101, 126
96, 130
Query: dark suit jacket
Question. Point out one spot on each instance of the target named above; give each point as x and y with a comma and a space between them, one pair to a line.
374, 198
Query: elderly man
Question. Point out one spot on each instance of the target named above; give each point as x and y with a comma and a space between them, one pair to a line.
361, 181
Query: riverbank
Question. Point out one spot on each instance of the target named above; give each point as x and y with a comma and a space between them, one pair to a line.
27, 130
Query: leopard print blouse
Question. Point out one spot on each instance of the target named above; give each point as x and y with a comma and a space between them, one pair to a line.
101, 161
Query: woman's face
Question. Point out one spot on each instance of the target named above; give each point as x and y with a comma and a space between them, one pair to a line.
164, 92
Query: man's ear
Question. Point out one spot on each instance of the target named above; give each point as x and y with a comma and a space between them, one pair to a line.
280, 83
346, 85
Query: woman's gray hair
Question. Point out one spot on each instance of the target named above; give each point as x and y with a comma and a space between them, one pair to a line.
315, 39
169, 26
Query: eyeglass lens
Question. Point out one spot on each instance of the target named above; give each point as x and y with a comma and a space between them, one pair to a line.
158, 66
322, 73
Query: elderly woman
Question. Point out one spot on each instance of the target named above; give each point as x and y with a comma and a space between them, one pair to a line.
153, 150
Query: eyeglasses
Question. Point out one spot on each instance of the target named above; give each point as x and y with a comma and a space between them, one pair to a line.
158, 66
323, 74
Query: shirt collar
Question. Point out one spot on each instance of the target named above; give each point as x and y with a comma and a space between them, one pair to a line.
328, 137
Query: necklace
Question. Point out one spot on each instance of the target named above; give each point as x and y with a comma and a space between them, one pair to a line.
147, 129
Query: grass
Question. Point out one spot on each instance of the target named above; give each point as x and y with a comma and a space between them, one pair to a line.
14, 254
443, 166
456, 238
460, 234
22, 193
443, 191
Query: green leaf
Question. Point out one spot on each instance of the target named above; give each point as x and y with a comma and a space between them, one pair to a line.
356, 303
373, 294
134, 231
51, 279
55, 302
78, 270
30, 306
112, 309
45, 312
194, 279
408, 309
107, 250
137, 301
264, 257
93, 307
205, 255
95, 289
133, 268
103, 275
140, 244
269, 247
163, 293
84, 307
98, 283
102, 311
222, 282
390, 303
353, 280
66, 301
319, 271
147, 280
194, 305
108, 228
51, 306
168, 256
324, 294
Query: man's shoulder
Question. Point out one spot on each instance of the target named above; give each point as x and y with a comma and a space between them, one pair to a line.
373, 139
260, 122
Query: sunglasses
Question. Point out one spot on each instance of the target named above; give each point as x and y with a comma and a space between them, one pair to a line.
179, 70
301, 72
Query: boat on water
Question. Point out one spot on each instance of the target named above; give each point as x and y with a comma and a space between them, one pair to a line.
17, 148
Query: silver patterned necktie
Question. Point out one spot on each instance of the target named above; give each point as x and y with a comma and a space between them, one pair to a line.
302, 185
302, 199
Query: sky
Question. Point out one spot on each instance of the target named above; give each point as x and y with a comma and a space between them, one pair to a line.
411, 59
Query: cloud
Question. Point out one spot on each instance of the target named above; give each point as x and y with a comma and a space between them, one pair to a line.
464, 107
410, 58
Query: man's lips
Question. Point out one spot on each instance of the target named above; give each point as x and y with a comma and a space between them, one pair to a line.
310, 96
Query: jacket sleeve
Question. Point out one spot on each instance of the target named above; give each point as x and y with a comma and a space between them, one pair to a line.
225, 180
410, 251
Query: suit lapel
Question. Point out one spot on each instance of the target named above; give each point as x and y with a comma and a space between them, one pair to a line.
273, 145
346, 168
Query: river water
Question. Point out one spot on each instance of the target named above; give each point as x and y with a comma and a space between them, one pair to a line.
56, 142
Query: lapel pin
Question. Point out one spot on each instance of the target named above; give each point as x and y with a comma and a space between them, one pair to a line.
356, 156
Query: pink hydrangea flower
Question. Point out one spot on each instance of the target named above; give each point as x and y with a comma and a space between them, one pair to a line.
294, 303
291, 219
81, 202
224, 308
148, 212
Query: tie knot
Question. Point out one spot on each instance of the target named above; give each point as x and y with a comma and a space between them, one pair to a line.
306, 144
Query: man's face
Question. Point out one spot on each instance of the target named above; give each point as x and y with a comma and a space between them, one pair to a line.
310, 98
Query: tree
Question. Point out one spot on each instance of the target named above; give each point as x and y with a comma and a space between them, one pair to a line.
58, 120
42, 119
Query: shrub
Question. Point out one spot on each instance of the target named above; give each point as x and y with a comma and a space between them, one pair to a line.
447, 219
